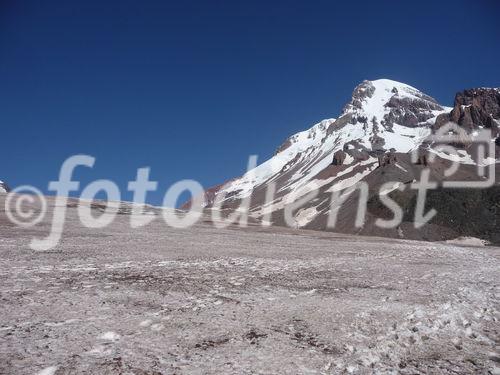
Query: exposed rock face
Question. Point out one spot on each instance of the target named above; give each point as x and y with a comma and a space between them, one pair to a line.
339, 157
474, 212
409, 111
382, 107
474, 108
407, 106
388, 158
363, 91
356, 150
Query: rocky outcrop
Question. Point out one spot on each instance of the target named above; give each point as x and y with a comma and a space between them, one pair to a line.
474, 108
356, 150
409, 111
388, 158
339, 157
409, 108
364, 90
422, 156
441, 120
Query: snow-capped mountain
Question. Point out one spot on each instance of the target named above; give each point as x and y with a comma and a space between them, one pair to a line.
382, 115
371, 140
3, 187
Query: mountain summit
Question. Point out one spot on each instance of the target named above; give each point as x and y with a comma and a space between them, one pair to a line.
382, 115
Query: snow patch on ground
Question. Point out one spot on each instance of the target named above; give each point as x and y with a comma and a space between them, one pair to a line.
48, 371
461, 156
351, 181
402, 168
305, 216
110, 336
468, 241
394, 186
348, 159
404, 139
488, 161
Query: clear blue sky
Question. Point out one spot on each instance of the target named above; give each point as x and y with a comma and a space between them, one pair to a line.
191, 88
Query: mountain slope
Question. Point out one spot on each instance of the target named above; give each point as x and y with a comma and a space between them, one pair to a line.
370, 141
381, 115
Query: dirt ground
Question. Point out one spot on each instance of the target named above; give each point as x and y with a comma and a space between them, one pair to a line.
159, 300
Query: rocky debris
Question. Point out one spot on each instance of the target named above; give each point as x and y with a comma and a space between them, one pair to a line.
339, 157
254, 336
206, 344
301, 334
148, 301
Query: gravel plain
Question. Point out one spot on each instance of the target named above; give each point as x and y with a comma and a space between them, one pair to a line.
159, 300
